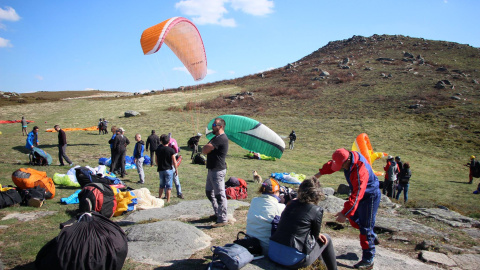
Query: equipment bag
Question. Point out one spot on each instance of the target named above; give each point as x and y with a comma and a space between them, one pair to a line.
252, 244
236, 189
85, 176
33, 196
199, 159
26, 178
92, 242
98, 197
233, 256
9, 197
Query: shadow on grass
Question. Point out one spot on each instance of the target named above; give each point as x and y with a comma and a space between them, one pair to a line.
459, 182
24, 150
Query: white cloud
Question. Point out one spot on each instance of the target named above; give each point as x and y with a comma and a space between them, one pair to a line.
265, 70
5, 43
254, 7
9, 14
215, 11
182, 69
39, 77
90, 89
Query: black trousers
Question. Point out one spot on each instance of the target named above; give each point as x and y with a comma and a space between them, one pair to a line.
62, 155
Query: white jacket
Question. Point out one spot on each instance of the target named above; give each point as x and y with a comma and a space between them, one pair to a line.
262, 211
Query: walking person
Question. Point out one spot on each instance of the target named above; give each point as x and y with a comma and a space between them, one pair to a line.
216, 151
293, 138
165, 161
362, 204
62, 146
24, 126
138, 157
403, 182
153, 141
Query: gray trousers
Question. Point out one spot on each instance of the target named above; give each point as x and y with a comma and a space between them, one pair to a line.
215, 191
139, 164
62, 155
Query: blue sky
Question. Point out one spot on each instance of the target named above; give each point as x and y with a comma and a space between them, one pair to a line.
78, 45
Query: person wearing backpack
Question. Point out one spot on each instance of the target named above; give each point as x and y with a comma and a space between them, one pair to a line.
391, 171
298, 242
263, 210
403, 182
472, 165
363, 202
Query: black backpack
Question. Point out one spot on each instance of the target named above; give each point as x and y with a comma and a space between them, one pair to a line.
199, 159
476, 169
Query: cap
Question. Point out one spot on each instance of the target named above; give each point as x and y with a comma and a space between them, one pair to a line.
397, 157
121, 129
271, 185
338, 158
199, 134
389, 157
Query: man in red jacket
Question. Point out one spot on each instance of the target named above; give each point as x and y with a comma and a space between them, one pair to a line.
361, 207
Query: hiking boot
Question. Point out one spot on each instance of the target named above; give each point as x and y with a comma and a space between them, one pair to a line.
180, 196
376, 241
140, 182
71, 164
364, 265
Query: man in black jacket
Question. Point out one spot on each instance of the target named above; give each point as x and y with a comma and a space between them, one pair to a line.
120, 151
62, 146
153, 141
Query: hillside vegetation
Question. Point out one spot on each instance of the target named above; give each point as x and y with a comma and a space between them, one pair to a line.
385, 86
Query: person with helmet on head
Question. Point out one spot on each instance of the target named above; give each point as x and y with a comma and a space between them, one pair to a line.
472, 166
362, 205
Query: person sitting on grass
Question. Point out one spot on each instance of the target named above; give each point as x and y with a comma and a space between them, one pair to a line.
263, 210
297, 242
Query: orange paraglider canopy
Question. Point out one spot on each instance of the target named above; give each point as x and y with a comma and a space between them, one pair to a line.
74, 129
362, 144
183, 38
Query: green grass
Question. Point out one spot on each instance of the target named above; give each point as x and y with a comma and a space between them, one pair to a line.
436, 139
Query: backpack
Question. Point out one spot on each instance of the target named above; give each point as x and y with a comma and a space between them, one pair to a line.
199, 159
38, 157
33, 196
9, 197
91, 242
476, 169
26, 178
98, 197
231, 256
234, 191
85, 176
392, 171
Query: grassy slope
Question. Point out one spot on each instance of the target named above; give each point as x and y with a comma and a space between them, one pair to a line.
436, 139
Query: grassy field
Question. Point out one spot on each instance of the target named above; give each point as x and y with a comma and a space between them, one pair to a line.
436, 139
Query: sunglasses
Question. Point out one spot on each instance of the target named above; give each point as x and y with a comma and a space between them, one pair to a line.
215, 125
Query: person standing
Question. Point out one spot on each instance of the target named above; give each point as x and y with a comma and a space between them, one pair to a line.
120, 150
216, 151
391, 171
62, 146
471, 166
174, 145
114, 134
105, 126
153, 141
165, 161
362, 205
403, 182
138, 157
193, 143
293, 138
24, 126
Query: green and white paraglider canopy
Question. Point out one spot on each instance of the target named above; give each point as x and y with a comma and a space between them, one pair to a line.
250, 135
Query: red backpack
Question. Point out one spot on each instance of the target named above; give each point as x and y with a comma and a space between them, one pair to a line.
236, 189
